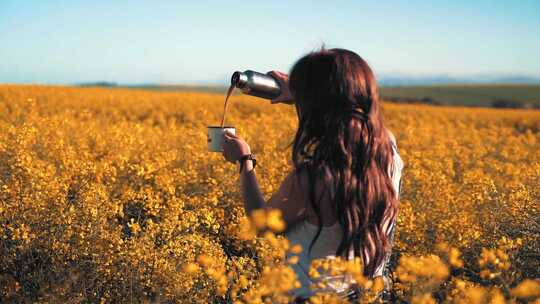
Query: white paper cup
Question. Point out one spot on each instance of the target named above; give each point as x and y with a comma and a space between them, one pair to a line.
215, 137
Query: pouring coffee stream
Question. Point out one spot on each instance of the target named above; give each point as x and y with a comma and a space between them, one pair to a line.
229, 92
254, 84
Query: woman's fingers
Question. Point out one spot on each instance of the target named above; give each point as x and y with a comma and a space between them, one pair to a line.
283, 79
234, 147
280, 76
227, 151
228, 135
272, 73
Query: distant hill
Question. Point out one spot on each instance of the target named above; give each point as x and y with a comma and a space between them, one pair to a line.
506, 92
159, 87
98, 84
391, 80
179, 87
487, 95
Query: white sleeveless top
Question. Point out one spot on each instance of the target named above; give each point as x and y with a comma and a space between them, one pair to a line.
327, 244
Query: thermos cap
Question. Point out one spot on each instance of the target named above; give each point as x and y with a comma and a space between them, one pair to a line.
239, 79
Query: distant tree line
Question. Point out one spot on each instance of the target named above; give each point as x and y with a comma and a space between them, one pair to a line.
99, 84
514, 104
425, 100
496, 103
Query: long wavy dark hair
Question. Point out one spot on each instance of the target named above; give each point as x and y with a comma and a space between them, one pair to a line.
341, 140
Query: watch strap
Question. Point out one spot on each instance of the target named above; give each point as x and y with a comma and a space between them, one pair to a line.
243, 159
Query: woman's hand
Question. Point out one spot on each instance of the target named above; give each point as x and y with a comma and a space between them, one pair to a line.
283, 80
234, 147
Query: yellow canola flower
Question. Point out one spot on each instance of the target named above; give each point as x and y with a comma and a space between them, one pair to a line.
204, 260
412, 268
454, 258
268, 218
378, 284
245, 230
293, 259
423, 299
258, 218
527, 289
123, 179
497, 297
191, 268
274, 220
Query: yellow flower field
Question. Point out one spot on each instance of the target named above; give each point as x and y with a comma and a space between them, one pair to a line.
110, 195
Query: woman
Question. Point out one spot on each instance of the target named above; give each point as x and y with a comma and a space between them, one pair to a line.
341, 198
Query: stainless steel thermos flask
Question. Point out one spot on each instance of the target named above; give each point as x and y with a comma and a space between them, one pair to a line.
256, 84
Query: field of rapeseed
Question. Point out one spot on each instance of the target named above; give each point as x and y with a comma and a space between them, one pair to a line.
109, 195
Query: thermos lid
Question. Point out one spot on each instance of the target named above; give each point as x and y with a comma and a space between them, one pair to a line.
239, 79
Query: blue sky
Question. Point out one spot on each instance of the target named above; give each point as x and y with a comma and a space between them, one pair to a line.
199, 42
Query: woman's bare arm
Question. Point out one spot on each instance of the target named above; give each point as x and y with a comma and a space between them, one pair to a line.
289, 198
253, 197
